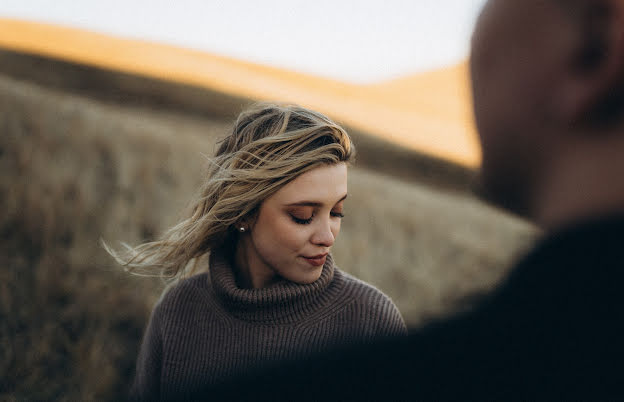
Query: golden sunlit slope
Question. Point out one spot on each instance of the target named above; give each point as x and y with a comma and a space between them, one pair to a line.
427, 112
430, 111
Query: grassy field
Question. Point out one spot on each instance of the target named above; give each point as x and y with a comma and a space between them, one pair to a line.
75, 168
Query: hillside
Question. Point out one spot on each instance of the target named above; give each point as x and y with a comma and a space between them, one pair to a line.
428, 113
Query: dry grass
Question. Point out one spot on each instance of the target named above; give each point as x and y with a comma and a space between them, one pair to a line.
73, 170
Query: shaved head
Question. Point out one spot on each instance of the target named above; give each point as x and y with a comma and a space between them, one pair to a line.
546, 74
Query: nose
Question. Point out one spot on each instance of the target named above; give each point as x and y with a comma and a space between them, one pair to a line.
324, 234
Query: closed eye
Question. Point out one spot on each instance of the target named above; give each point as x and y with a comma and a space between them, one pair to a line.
337, 214
301, 221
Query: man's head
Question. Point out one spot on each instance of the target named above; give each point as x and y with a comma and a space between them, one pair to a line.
545, 74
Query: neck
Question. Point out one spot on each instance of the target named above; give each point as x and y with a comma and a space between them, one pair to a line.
250, 272
284, 302
583, 181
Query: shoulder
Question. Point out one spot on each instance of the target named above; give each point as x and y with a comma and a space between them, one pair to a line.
363, 292
373, 304
183, 295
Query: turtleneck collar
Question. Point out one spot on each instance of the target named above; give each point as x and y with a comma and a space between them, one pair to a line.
283, 301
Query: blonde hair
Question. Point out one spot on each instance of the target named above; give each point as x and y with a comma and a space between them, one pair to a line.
269, 146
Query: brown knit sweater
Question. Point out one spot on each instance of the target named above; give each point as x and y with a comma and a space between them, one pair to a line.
206, 328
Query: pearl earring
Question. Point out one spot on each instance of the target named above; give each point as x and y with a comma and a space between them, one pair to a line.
241, 229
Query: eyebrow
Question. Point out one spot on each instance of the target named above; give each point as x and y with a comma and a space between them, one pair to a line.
311, 203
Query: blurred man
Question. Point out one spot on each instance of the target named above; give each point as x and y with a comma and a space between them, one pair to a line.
548, 78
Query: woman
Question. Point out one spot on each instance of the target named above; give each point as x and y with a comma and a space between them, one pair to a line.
268, 215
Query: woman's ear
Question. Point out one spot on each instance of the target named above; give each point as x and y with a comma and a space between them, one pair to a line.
595, 74
242, 226
247, 222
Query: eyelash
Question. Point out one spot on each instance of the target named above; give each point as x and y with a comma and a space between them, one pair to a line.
309, 220
302, 221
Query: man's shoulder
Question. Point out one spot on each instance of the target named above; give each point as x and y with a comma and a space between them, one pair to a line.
583, 258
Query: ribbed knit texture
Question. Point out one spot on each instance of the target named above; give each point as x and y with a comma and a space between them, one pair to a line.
206, 328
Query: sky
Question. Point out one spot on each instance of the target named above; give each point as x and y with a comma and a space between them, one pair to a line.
361, 42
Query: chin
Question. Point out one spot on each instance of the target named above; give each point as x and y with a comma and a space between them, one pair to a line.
306, 278
501, 192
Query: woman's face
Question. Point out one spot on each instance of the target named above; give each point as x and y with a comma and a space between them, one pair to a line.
295, 229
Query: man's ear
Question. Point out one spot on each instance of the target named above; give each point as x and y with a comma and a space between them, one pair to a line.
595, 74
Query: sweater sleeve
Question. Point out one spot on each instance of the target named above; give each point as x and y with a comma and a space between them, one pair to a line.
377, 311
146, 386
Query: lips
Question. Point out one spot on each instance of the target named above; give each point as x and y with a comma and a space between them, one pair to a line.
316, 260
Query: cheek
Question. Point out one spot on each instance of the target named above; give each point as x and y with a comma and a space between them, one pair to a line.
486, 85
291, 236
335, 228
280, 235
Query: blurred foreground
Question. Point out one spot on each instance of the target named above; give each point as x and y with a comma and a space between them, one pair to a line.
88, 154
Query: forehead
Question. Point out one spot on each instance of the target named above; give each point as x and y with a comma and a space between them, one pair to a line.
325, 184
